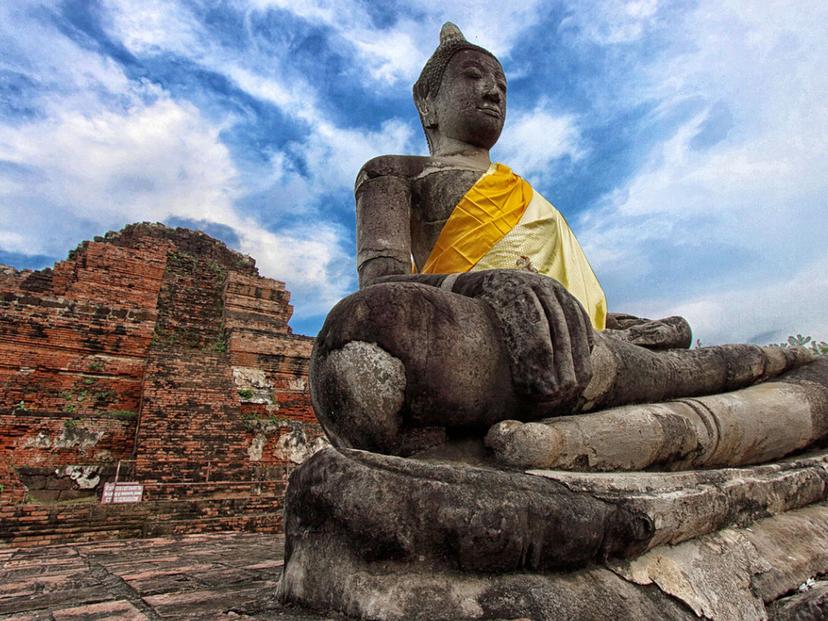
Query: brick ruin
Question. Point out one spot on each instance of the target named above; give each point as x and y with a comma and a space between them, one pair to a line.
162, 350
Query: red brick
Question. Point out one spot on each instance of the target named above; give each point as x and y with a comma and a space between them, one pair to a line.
149, 321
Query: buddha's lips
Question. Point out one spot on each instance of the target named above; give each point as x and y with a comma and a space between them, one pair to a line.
495, 112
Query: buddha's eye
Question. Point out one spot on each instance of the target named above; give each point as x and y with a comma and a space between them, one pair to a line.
474, 74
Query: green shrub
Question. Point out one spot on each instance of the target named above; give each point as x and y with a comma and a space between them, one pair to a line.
820, 348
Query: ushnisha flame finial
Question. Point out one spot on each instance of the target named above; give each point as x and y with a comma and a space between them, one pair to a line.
450, 31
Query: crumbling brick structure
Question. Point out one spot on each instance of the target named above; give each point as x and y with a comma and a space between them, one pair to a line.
162, 349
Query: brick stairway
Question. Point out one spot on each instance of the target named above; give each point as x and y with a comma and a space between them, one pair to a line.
191, 428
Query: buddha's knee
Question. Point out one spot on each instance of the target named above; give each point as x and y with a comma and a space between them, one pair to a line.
400, 357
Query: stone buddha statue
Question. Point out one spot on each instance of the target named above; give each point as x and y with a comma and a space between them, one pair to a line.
477, 303
503, 447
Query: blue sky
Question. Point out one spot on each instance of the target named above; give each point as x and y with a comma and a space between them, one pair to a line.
684, 141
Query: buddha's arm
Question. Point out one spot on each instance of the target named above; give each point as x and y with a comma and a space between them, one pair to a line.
383, 204
667, 333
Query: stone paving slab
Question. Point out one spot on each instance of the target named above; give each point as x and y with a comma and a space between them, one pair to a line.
216, 576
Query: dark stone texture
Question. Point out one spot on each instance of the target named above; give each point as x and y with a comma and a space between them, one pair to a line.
454, 517
809, 605
438, 378
395, 591
501, 345
667, 333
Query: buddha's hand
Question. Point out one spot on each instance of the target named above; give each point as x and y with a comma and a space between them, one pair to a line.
546, 331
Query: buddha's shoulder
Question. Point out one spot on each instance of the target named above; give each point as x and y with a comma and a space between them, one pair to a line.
405, 166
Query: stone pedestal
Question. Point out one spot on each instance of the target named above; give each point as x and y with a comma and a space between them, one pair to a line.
382, 537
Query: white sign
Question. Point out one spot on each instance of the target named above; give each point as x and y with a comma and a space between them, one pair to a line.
122, 492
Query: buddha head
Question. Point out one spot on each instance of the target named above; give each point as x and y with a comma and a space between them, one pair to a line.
461, 93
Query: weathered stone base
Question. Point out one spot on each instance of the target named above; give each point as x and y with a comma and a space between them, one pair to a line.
401, 591
747, 573
382, 537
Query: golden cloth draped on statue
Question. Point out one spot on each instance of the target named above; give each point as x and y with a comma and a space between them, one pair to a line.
503, 223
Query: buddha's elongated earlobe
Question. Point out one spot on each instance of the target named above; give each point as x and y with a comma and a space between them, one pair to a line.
427, 113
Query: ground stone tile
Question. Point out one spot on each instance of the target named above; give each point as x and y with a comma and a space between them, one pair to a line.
196, 602
143, 573
214, 577
171, 583
226, 576
119, 610
52, 600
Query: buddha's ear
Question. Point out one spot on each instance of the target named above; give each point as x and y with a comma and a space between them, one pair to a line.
426, 108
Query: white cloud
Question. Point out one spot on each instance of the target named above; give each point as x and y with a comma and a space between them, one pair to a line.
105, 150
14, 242
145, 162
156, 162
396, 53
754, 186
534, 141
769, 312
332, 153
310, 259
155, 25
55, 64
612, 21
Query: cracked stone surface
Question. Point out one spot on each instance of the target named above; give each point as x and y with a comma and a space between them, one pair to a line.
451, 541
215, 576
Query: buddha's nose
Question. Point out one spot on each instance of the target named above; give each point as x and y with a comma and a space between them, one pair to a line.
491, 91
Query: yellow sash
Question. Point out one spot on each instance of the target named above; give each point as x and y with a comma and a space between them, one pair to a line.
502, 223
490, 209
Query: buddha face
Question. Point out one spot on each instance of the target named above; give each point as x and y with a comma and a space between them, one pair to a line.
471, 104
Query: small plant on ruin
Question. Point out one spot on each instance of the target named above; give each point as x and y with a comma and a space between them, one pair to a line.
246, 393
216, 268
820, 348
103, 397
219, 345
74, 395
70, 425
20, 406
95, 365
122, 414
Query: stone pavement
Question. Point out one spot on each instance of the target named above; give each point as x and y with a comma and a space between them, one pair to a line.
209, 577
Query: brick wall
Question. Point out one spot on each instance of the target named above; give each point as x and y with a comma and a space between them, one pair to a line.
156, 345
247, 508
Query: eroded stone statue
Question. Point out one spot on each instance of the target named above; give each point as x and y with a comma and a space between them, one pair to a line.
483, 381
477, 335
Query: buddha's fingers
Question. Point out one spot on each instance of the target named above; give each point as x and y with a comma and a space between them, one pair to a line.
583, 341
532, 351
558, 319
544, 330
522, 321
